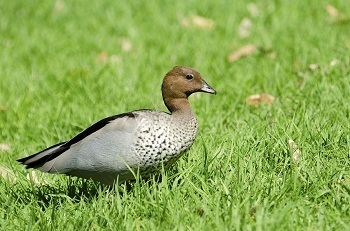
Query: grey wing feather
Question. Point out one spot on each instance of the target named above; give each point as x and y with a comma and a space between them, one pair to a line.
44, 160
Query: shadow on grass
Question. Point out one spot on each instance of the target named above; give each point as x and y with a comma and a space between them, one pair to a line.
45, 195
74, 190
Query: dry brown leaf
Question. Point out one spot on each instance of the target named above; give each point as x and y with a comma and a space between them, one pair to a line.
331, 10
334, 62
296, 154
58, 7
3, 108
336, 16
31, 176
4, 172
5, 147
125, 44
102, 57
253, 10
7, 174
244, 28
313, 66
242, 52
198, 21
257, 99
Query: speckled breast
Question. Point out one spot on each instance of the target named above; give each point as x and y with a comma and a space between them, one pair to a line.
163, 139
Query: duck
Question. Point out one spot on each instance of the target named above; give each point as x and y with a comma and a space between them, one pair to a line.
115, 148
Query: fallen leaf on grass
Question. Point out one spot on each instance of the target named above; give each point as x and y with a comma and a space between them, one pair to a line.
7, 174
253, 10
331, 10
313, 66
242, 52
58, 7
125, 44
102, 57
198, 21
335, 16
334, 62
3, 108
31, 176
257, 99
34, 178
296, 154
244, 28
5, 148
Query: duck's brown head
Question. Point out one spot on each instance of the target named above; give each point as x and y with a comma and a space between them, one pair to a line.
180, 82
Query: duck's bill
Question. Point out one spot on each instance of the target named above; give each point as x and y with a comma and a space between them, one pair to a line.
208, 89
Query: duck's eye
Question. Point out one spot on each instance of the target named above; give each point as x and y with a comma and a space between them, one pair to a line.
189, 76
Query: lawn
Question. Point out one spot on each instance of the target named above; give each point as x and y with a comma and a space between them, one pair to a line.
67, 64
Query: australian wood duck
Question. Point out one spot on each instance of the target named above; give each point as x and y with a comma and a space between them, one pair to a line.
112, 149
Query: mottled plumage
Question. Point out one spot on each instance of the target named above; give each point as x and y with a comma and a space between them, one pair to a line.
140, 140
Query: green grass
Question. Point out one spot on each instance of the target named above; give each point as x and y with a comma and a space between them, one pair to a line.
239, 174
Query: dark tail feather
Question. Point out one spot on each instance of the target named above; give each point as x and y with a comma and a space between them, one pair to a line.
40, 158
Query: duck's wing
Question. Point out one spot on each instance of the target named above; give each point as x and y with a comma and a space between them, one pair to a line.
117, 122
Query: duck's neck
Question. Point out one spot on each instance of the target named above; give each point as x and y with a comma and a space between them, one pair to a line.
179, 107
